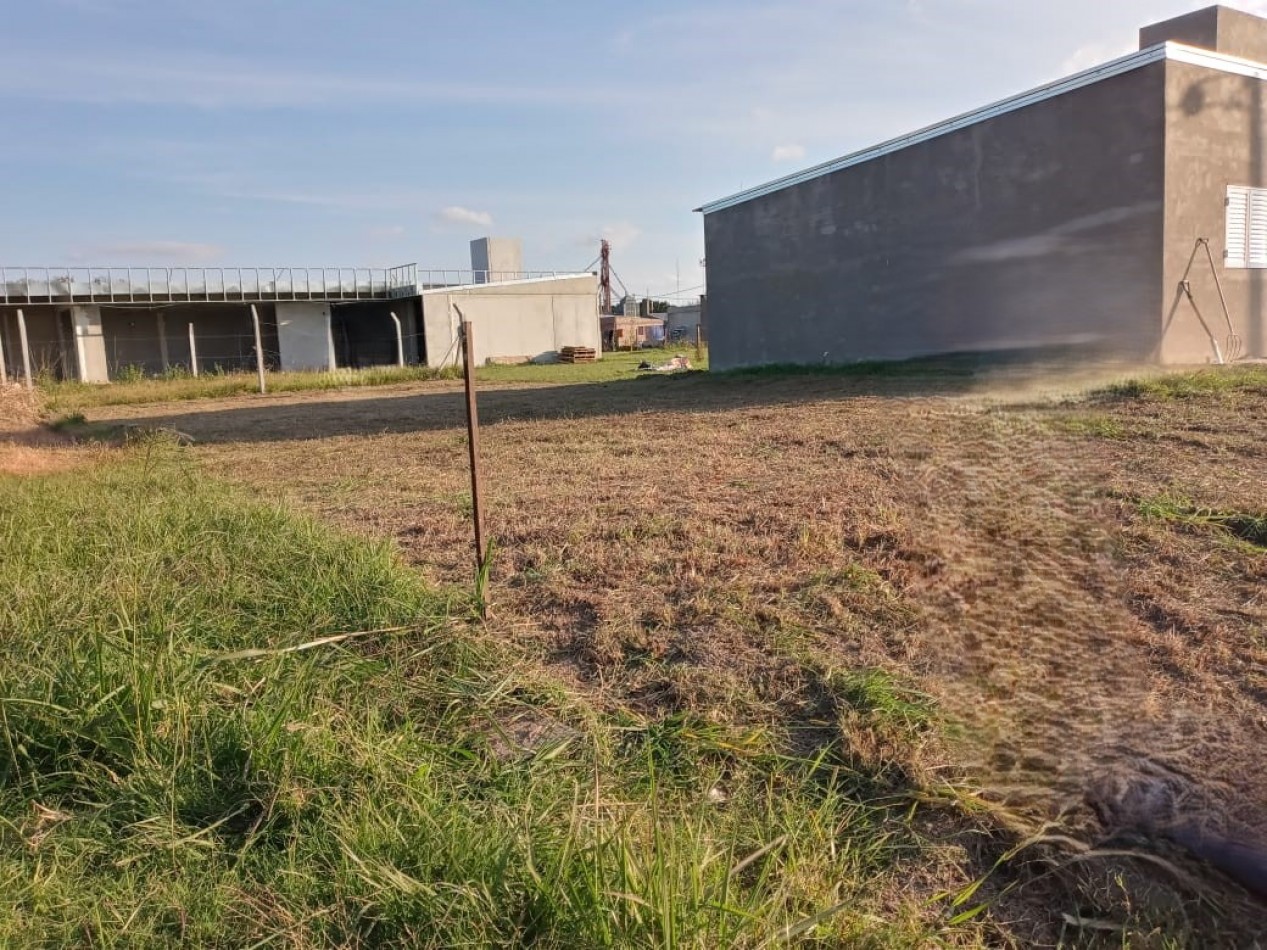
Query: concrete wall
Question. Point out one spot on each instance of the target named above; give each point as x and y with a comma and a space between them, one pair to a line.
364, 334
225, 339
48, 340
1038, 228
1217, 28
494, 259
683, 320
1216, 124
89, 357
305, 339
530, 319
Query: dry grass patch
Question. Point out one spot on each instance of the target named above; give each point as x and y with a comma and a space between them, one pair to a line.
27, 445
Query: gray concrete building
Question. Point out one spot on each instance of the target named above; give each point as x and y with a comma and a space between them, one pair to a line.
98, 324
680, 321
1063, 217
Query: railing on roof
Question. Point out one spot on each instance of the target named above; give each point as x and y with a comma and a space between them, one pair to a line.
232, 284
418, 280
193, 284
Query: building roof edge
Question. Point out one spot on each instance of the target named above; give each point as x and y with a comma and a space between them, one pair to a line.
1123, 64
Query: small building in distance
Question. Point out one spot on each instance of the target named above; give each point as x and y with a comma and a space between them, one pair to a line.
622, 332
1068, 216
680, 322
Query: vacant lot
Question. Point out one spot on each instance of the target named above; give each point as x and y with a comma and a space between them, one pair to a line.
1076, 587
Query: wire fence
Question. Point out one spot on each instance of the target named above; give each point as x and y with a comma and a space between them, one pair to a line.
136, 356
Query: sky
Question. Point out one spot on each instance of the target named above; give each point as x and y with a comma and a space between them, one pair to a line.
381, 132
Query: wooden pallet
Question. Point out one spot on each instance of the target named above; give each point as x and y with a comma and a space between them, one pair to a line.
577, 354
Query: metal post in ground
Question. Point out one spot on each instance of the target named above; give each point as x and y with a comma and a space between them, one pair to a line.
699, 344
193, 353
473, 447
259, 348
400, 341
4, 370
26, 351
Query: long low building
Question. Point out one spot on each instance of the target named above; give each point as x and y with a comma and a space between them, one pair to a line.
99, 324
1067, 216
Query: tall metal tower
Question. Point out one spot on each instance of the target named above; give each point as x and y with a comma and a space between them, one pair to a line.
605, 277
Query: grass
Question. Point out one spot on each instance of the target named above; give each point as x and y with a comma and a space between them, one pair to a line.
733, 603
622, 364
1247, 527
136, 389
1237, 378
193, 757
805, 562
1092, 425
69, 396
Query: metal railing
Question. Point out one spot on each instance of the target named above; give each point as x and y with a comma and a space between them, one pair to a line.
438, 279
19, 285
218, 284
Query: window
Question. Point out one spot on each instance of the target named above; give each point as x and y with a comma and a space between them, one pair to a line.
1245, 243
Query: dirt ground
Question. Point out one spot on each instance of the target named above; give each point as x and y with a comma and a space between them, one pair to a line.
700, 542
27, 447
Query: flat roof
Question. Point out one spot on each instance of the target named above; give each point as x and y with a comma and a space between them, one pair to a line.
1177, 52
464, 288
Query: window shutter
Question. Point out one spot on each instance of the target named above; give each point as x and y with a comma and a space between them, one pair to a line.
1256, 254
1238, 212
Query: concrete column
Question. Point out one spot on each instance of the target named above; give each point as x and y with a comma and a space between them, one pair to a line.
90, 345
160, 321
305, 338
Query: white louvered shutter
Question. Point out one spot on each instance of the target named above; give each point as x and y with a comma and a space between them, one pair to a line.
1236, 241
1256, 254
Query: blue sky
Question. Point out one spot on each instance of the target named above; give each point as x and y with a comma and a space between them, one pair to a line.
375, 133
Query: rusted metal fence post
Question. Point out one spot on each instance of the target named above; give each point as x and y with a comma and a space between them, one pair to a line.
26, 351
259, 348
4, 370
473, 447
699, 343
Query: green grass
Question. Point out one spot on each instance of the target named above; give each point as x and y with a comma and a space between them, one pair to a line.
67, 396
1202, 382
1243, 527
135, 389
1091, 425
612, 366
188, 761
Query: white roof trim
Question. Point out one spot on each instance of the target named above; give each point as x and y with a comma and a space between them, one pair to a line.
467, 288
1131, 61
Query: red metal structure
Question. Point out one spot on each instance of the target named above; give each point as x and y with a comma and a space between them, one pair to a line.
605, 278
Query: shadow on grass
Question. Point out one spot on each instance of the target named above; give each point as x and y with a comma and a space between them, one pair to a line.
257, 420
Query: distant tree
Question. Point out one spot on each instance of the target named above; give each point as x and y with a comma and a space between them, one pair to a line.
659, 306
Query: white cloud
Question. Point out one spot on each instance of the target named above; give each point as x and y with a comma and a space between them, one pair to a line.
456, 214
787, 153
215, 82
179, 253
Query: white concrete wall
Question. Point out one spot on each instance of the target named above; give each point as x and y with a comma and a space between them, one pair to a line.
531, 319
90, 345
494, 259
304, 340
